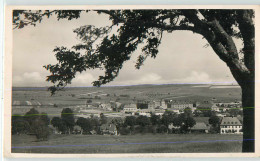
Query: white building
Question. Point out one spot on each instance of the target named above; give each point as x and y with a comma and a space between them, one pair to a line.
130, 108
230, 125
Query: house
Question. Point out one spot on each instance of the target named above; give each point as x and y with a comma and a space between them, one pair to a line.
180, 105
208, 105
130, 108
157, 103
144, 112
108, 129
230, 125
200, 127
202, 119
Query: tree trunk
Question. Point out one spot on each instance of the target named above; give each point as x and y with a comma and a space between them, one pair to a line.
248, 104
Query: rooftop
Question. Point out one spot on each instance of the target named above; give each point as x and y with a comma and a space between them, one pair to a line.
230, 121
200, 126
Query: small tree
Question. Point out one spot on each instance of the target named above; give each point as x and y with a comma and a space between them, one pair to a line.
130, 121
118, 122
142, 121
167, 118
40, 129
31, 116
85, 124
57, 123
19, 125
215, 122
187, 121
67, 118
44, 117
155, 119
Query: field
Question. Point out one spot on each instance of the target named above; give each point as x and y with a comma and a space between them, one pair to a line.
147, 143
25, 98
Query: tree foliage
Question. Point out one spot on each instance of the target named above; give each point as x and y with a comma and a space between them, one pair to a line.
85, 124
130, 121
168, 117
142, 121
19, 125
67, 117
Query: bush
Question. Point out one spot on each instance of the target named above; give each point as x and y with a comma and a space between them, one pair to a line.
19, 125
40, 130
162, 129
124, 131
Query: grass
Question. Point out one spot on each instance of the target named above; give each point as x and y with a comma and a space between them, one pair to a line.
209, 146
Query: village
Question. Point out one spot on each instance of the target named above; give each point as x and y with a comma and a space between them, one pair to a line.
119, 112
229, 113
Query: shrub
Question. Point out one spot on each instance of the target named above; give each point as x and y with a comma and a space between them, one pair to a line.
40, 130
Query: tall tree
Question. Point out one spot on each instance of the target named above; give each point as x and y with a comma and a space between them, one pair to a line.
167, 118
67, 118
31, 116
142, 121
218, 27
155, 119
59, 124
85, 124
19, 125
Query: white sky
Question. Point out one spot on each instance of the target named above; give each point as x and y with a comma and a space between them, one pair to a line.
181, 58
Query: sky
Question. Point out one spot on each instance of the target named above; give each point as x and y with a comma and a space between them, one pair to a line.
182, 57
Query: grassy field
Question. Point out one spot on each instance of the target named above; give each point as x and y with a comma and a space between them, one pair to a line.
147, 143
146, 92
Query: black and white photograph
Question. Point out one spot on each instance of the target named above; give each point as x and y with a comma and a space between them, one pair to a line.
132, 80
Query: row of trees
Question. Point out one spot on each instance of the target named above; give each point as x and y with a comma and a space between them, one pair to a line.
36, 123
185, 121
66, 122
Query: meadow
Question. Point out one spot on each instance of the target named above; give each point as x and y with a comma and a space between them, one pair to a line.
146, 143
23, 99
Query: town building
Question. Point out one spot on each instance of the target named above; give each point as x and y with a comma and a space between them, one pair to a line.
179, 106
200, 127
207, 105
130, 108
230, 125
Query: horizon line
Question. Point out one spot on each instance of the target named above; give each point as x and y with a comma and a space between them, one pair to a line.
206, 83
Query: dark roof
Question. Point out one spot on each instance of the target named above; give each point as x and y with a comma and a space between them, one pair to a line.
230, 121
200, 126
205, 105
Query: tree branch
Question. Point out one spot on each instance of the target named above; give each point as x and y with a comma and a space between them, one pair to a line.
247, 30
172, 27
114, 16
224, 38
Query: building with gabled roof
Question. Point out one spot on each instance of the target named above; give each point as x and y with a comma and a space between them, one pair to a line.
200, 127
230, 125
